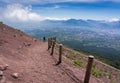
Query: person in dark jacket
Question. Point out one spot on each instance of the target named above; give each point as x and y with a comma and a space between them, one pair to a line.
44, 39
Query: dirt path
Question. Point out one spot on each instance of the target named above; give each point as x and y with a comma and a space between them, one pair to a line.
40, 68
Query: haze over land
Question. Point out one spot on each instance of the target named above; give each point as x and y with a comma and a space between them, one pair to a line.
99, 38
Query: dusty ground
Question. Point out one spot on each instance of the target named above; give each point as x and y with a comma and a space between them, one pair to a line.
30, 59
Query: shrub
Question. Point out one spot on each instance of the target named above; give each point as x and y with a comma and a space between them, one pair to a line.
71, 56
78, 63
96, 73
110, 76
93, 65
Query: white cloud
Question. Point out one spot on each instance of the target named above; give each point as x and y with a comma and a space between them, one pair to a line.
113, 19
56, 6
52, 18
53, 7
20, 13
17, 12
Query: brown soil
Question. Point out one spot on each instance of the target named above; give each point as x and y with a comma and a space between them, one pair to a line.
30, 59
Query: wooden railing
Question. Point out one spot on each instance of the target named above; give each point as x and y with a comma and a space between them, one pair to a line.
51, 47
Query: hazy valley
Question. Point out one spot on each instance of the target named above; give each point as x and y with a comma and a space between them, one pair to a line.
98, 38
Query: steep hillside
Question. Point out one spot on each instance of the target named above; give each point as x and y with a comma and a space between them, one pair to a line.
24, 59
27, 57
103, 72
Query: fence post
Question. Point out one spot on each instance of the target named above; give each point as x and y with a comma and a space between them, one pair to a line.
54, 38
51, 42
53, 45
48, 43
88, 70
60, 54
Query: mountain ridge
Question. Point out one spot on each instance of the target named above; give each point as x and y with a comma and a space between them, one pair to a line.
66, 23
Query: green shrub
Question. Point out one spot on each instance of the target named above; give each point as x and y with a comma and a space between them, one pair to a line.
71, 56
78, 63
93, 65
96, 73
110, 76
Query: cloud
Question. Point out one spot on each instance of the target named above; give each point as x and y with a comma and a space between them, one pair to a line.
113, 19
52, 18
56, 6
18, 12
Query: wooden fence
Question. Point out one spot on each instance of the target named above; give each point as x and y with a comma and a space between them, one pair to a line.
51, 45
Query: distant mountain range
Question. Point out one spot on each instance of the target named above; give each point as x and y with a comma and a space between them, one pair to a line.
66, 23
84, 23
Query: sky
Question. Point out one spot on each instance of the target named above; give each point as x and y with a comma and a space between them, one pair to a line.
38, 10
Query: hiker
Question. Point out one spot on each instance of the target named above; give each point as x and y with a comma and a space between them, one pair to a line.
44, 39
